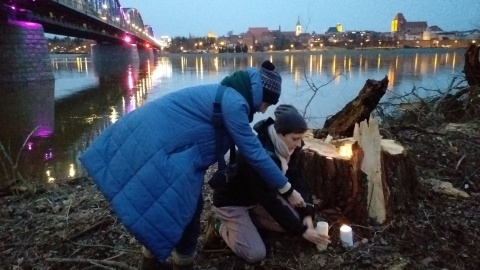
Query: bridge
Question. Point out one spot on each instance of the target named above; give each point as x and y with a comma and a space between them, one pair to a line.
99, 20
120, 34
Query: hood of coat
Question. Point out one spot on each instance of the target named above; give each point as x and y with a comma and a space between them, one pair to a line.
257, 89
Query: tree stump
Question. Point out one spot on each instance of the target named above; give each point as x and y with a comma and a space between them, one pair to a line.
357, 110
472, 75
364, 177
472, 65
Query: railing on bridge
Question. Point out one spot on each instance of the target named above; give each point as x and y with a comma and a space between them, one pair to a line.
111, 12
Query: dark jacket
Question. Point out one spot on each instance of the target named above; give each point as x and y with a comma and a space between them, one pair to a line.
246, 188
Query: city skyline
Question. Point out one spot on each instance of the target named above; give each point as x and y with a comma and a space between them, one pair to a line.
220, 17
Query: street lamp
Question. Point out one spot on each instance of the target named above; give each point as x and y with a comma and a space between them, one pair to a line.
271, 47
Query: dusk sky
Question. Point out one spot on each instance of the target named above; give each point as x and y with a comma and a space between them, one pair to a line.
183, 17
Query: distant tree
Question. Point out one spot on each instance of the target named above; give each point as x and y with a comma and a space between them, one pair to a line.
238, 48
77, 41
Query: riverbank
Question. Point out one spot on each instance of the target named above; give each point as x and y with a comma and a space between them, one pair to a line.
69, 225
324, 50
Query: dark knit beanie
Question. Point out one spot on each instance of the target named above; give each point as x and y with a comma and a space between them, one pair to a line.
272, 83
289, 120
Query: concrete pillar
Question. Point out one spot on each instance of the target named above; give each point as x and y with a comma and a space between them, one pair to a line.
146, 58
156, 55
24, 53
114, 61
26, 81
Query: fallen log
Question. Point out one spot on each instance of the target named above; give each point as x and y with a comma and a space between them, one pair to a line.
365, 177
357, 110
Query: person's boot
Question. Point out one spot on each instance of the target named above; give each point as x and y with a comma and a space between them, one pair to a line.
183, 266
212, 238
149, 262
154, 264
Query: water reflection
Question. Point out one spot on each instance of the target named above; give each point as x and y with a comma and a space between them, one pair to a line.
349, 70
26, 119
68, 113
88, 96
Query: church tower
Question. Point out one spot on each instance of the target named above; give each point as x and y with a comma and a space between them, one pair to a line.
298, 29
398, 23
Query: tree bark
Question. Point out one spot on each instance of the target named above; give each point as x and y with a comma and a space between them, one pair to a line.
337, 183
472, 75
472, 65
357, 110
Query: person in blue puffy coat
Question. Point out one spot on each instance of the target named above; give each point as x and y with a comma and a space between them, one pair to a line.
151, 163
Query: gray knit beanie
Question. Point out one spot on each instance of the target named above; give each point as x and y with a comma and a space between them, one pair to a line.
288, 120
272, 83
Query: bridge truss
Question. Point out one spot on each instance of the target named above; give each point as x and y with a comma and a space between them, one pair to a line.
105, 21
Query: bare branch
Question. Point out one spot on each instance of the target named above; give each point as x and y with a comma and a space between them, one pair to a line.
100, 263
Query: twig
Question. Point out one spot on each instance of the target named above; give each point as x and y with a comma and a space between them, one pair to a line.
116, 256
216, 251
23, 145
9, 159
445, 94
460, 161
315, 89
388, 225
94, 226
430, 223
102, 263
414, 127
1, 161
67, 214
101, 266
105, 246
360, 226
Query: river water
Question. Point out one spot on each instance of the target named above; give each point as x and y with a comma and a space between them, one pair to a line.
63, 117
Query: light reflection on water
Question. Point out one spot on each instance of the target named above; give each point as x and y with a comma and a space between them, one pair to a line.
88, 99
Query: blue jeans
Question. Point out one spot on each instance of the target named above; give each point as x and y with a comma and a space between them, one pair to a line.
188, 242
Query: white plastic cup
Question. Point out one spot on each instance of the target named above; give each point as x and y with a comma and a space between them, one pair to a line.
322, 229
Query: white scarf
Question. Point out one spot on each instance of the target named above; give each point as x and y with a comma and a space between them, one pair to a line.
281, 149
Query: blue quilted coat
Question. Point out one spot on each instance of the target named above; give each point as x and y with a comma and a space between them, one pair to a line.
151, 163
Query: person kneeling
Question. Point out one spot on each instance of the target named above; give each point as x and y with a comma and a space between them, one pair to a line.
246, 203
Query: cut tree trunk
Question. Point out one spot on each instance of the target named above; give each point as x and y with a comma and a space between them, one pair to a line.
472, 75
357, 110
371, 183
472, 65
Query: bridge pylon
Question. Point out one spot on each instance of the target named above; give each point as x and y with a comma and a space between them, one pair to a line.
24, 53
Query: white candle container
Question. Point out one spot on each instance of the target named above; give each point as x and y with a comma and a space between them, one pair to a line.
346, 236
322, 228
